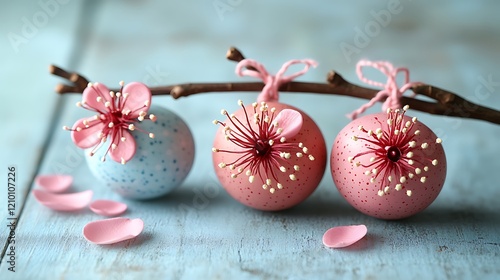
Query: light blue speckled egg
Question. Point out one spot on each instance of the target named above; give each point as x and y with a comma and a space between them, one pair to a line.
160, 164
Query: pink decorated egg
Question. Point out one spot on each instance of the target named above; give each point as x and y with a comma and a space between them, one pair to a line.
388, 165
269, 156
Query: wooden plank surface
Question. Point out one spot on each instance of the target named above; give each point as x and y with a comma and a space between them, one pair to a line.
35, 36
198, 231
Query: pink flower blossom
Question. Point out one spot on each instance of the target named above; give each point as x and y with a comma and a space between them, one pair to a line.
116, 116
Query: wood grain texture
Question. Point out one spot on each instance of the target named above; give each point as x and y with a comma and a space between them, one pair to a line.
198, 231
27, 103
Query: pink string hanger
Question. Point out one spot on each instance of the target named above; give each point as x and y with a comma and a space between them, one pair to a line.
390, 89
272, 83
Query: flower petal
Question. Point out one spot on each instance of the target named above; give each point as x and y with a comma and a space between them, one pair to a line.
54, 183
86, 137
63, 202
108, 207
92, 93
125, 147
343, 236
290, 121
112, 230
138, 99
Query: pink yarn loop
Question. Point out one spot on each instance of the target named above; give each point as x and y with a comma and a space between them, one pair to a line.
272, 83
390, 89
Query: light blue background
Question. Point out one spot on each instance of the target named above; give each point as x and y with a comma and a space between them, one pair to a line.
199, 231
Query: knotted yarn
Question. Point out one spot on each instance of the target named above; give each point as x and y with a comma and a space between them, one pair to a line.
390, 89
272, 83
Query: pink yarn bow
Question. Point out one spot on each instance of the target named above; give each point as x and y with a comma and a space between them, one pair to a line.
272, 83
390, 89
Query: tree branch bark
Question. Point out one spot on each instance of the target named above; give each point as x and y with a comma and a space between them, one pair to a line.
447, 103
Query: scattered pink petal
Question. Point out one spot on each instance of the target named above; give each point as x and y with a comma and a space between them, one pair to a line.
54, 183
63, 202
86, 137
112, 230
108, 207
125, 149
138, 99
343, 236
290, 121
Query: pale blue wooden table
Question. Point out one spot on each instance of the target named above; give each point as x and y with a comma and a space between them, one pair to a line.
448, 44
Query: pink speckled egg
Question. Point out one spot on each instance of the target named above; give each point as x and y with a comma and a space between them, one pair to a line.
269, 156
388, 165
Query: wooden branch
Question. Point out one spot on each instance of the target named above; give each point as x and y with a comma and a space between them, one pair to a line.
447, 103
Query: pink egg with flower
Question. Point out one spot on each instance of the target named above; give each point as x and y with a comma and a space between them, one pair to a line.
269, 156
388, 165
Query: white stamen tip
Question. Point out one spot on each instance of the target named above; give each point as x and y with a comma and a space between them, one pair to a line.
355, 138
409, 155
424, 145
131, 127
439, 141
422, 179
251, 178
121, 83
418, 171
435, 162
280, 186
380, 193
292, 177
311, 158
222, 165
282, 169
402, 180
398, 187
296, 168
151, 135
408, 193
406, 107
272, 190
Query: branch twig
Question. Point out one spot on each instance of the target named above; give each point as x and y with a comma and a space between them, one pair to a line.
447, 103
